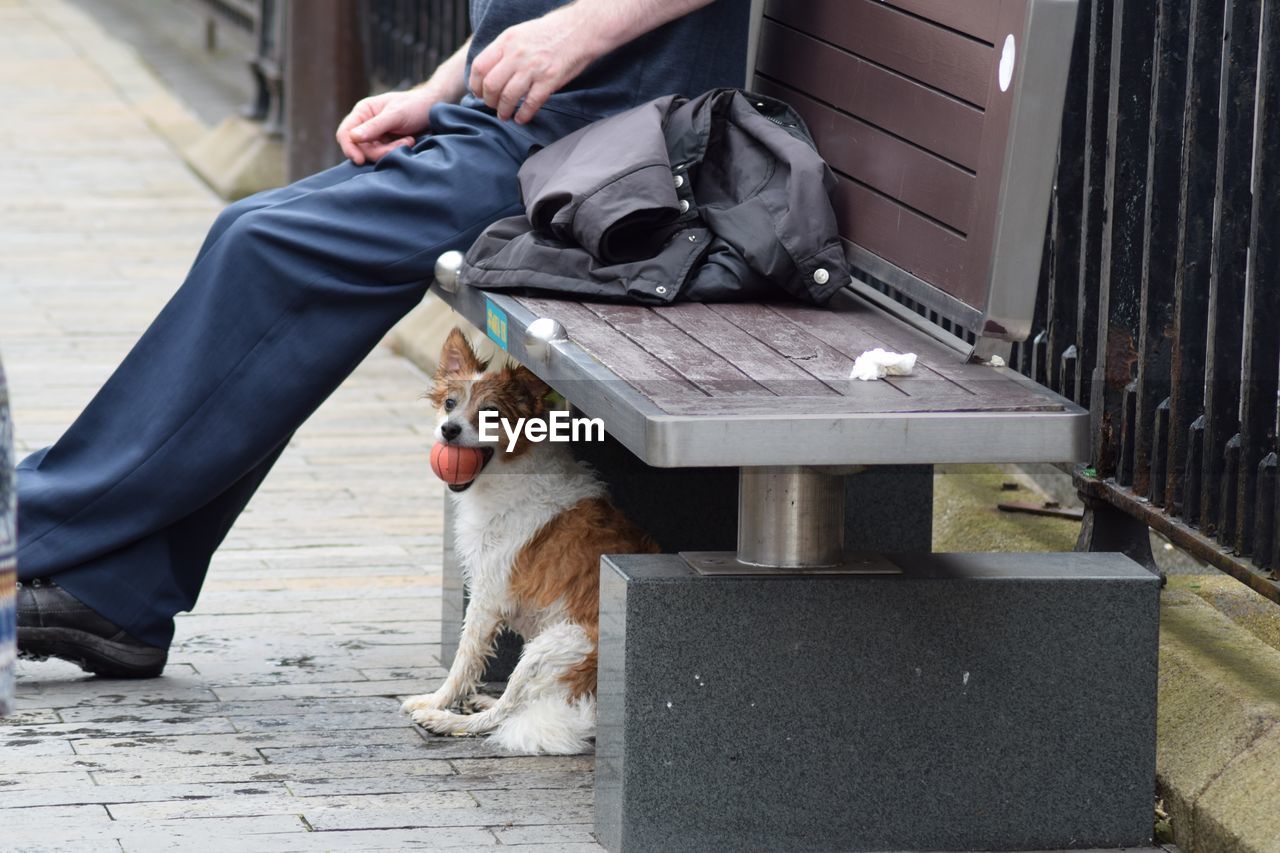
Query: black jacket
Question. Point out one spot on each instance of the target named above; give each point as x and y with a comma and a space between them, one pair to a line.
719, 198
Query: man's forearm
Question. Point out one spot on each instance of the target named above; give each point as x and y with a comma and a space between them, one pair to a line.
529, 62
446, 84
617, 22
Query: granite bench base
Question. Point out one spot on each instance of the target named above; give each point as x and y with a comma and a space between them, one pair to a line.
971, 702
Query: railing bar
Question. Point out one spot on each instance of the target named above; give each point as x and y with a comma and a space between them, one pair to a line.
1092, 217
1164, 166
1192, 470
1195, 239
1068, 207
1264, 530
1230, 246
1160, 453
1226, 525
1261, 364
1119, 308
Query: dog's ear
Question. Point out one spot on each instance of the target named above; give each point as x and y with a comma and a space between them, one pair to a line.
536, 386
457, 358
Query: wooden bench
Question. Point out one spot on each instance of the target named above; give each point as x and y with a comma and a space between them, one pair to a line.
941, 120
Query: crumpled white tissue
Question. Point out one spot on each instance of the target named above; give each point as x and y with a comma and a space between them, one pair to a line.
879, 363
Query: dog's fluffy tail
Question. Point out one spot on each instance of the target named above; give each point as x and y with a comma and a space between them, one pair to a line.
549, 725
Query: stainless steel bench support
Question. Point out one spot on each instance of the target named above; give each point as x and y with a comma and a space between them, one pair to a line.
790, 517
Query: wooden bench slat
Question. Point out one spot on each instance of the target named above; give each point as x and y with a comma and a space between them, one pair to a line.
978, 19
814, 356
853, 332
641, 370
938, 123
694, 361
752, 357
890, 165
909, 45
896, 337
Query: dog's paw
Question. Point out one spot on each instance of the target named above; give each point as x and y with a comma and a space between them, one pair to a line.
424, 702
435, 720
479, 702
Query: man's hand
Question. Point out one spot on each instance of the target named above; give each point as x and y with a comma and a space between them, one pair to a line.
531, 61
528, 63
382, 123
385, 122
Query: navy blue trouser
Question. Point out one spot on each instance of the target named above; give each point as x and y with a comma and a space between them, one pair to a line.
292, 288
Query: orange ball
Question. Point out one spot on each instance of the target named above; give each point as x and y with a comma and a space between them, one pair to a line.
456, 465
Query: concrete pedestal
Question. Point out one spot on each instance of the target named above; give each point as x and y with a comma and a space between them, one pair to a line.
972, 702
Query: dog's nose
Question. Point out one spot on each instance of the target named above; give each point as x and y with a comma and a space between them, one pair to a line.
450, 431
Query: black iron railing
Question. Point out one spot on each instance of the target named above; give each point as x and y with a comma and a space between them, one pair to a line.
406, 39
1160, 304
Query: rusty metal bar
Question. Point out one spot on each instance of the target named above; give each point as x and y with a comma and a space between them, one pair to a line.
1164, 166
1179, 346
1119, 300
1181, 535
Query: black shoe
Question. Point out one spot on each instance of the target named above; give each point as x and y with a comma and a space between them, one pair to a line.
54, 623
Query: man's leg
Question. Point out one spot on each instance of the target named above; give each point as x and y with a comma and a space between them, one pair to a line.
284, 300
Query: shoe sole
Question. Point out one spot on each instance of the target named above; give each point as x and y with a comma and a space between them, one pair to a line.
91, 653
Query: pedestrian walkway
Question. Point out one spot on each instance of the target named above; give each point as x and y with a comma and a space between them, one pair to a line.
276, 726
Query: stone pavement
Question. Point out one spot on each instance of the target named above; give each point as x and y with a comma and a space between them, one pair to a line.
276, 726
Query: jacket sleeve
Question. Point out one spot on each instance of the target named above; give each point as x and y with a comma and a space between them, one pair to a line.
606, 187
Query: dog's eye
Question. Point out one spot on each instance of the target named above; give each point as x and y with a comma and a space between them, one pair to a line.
450, 404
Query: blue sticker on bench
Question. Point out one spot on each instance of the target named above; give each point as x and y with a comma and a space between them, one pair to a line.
495, 323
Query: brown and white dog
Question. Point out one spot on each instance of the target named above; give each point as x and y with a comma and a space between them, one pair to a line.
529, 533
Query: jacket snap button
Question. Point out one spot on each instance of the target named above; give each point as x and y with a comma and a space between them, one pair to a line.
821, 276
684, 206
679, 181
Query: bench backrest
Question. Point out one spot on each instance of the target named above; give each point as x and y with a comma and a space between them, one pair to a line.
941, 119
